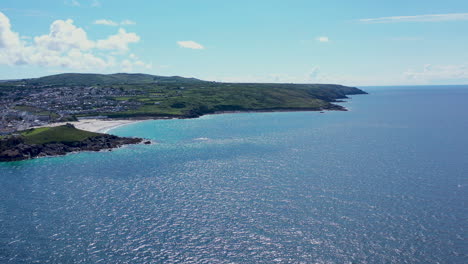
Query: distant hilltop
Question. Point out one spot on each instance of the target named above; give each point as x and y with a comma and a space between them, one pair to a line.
103, 79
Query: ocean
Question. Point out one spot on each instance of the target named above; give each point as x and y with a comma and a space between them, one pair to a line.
385, 182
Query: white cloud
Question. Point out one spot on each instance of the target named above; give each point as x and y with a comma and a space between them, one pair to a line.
127, 22
314, 73
134, 65
12, 50
436, 73
95, 3
119, 41
189, 44
64, 36
8, 38
74, 59
76, 3
66, 46
428, 74
419, 18
323, 39
406, 38
26, 12
106, 22
72, 2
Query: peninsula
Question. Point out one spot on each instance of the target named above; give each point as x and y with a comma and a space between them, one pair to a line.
56, 141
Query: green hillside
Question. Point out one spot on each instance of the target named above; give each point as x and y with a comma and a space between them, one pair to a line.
191, 100
58, 134
71, 79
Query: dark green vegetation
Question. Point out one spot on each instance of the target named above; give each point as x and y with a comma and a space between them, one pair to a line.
54, 141
157, 96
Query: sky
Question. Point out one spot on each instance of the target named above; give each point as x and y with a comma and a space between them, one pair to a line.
359, 43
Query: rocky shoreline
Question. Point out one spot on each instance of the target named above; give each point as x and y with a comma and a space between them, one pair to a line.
15, 149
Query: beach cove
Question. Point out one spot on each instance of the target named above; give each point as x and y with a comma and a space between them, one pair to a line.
96, 125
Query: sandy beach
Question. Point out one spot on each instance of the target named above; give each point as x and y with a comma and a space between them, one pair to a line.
97, 125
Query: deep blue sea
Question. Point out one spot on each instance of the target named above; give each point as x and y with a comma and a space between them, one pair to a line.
386, 182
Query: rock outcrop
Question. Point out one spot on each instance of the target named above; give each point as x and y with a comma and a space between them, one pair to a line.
14, 148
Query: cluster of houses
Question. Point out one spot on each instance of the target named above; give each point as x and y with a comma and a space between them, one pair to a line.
27, 107
12, 120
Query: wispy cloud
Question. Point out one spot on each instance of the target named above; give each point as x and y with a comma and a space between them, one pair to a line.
127, 22
406, 38
430, 73
26, 12
418, 18
95, 3
108, 22
426, 74
323, 39
189, 44
76, 3
72, 2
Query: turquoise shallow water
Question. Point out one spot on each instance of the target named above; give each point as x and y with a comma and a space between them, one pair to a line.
386, 182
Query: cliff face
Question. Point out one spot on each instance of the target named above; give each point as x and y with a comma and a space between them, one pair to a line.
13, 149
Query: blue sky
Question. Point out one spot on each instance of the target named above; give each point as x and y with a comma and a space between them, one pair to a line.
347, 42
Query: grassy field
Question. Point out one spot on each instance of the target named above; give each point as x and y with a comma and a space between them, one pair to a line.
59, 134
200, 98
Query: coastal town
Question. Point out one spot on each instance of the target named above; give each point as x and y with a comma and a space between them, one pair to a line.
27, 106
36, 102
